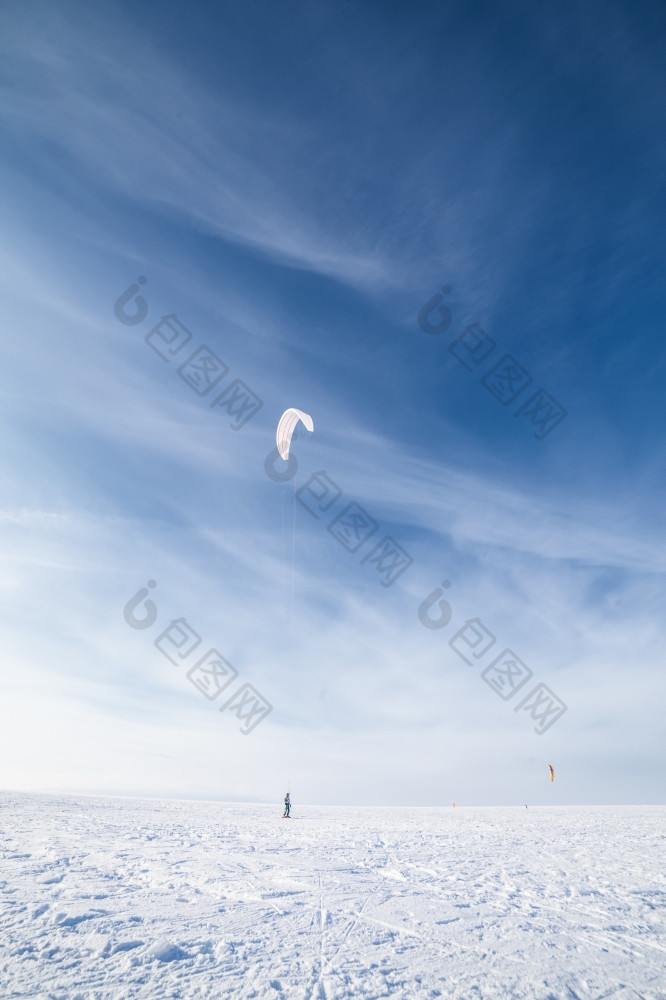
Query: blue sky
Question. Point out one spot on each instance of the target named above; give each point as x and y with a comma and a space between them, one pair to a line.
295, 183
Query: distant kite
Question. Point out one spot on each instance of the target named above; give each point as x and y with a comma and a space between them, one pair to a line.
286, 428
552, 772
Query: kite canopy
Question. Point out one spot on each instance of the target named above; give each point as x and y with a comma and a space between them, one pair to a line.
286, 428
552, 772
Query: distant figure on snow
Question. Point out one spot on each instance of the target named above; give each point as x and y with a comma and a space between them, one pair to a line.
287, 807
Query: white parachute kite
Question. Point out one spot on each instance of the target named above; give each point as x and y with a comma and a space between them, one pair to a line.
286, 428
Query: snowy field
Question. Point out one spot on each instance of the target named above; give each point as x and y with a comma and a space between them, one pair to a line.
111, 898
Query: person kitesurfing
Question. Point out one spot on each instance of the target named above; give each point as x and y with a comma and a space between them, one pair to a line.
287, 807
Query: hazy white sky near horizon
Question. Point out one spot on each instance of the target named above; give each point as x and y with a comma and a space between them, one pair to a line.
294, 193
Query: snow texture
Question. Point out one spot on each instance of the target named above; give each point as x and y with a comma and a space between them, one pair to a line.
113, 898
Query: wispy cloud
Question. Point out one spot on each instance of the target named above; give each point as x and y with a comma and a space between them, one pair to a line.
270, 221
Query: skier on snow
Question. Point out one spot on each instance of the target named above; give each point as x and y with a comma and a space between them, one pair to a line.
287, 806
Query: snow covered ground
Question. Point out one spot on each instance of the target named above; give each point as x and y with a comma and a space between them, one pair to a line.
111, 898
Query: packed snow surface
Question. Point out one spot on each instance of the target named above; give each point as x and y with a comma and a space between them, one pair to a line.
111, 898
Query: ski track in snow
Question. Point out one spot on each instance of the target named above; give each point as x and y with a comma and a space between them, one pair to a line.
112, 899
